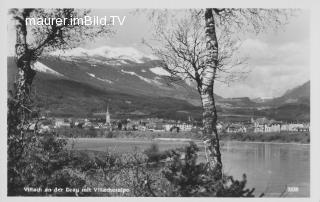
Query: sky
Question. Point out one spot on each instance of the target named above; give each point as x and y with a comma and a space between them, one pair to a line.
277, 61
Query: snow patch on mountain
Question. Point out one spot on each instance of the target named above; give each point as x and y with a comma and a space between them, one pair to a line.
151, 81
112, 53
94, 62
39, 67
137, 75
160, 71
92, 75
100, 79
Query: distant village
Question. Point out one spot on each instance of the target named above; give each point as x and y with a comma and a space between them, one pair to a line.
259, 125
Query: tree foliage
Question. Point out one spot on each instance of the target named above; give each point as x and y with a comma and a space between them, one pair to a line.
24, 166
191, 178
56, 36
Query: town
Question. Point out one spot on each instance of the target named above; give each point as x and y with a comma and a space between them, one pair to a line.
259, 125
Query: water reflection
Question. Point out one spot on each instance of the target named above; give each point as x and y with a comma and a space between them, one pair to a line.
270, 168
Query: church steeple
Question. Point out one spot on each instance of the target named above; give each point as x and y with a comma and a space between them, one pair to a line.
107, 116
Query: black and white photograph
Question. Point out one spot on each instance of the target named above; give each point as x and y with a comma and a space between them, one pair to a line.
158, 102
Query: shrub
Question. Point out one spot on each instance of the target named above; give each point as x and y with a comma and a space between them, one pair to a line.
190, 178
109, 134
153, 153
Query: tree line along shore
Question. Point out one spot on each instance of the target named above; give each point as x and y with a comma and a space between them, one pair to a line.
281, 137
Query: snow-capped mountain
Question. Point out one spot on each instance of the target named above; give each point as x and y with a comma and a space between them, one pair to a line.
81, 81
77, 88
121, 69
107, 55
135, 77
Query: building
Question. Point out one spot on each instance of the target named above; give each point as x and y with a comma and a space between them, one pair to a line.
305, 128
299, 127
184, 127
236, 128
61, 122
177, 126
272, 127
142, 128
259, 124
263, 125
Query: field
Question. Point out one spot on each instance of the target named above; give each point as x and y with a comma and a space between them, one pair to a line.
121, 145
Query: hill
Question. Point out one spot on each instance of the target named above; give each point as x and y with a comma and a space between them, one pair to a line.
298, 95
293, 105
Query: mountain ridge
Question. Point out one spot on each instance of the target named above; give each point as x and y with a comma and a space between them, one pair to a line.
144, 85
299, 94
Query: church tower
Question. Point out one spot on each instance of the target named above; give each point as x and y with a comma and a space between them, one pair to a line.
108, 116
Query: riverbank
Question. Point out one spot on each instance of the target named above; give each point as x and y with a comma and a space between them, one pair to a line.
234, 141
282, 137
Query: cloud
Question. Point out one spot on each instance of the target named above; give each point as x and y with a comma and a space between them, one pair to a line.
260, 52
275, 68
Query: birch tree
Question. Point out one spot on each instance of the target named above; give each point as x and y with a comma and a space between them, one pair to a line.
203, 45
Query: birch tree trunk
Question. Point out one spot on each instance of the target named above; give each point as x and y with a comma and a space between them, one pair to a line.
207, 95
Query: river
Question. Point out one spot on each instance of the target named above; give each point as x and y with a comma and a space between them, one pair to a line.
272, 168
276, 169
